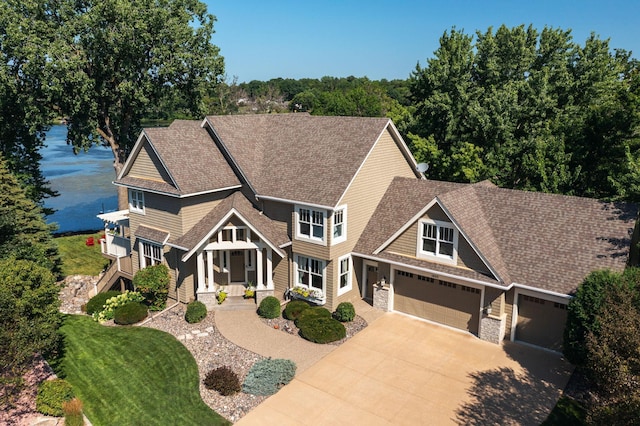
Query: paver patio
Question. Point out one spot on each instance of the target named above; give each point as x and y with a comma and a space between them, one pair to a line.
403, 371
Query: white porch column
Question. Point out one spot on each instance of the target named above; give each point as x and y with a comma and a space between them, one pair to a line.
210, 282
259, 276
269, 268
200, 267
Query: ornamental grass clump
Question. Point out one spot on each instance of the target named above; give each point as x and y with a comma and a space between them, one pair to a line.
73, 413
267, 376
115, 302
223, 380
345, 312
96, 303
131, 313
294, 308
269, 307
51, 395
196, 312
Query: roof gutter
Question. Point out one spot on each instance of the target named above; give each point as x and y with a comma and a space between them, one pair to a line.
284, 200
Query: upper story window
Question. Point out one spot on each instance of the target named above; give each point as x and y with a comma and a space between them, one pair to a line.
151, 254
136, 201
339, 225
439, 239
233, 234
310, 224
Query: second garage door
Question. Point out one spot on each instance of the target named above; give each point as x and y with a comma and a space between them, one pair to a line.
447, 303
541, 322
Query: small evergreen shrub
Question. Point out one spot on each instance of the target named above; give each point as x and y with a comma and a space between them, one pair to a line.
196, 312
294, 308
51, 395
73, 413
312, 314
96, 303
269, 307
153, 283
115, 302
322, 330
130, 313
223, 380
345, 312
267, 376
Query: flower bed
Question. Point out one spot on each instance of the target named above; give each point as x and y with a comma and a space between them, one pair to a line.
309, 294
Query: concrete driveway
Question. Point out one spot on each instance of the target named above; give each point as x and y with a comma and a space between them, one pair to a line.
403, 371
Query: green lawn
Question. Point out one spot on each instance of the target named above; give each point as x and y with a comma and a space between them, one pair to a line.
132, 375
78, 258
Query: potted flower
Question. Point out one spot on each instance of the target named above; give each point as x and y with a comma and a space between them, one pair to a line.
309, 294
222, 295
250, 291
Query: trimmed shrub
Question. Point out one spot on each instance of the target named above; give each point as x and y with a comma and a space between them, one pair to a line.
267, 376
153, 283
322, 330
73, 413
115, 302
96, 303
130, 313
196, 312
294, 308
51, 395
345, 312
223, 380
269, 307
312, 314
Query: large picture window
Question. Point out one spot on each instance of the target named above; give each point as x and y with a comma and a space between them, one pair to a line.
310, 272
438, 239
310, 224
151, 254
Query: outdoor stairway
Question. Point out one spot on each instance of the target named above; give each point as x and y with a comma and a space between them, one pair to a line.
237, 303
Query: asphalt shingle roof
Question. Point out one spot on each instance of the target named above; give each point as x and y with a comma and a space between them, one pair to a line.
546, 241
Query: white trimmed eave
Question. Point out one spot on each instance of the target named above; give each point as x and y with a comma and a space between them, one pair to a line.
539, 290
204, 241
301, 203
170, 194
164, 242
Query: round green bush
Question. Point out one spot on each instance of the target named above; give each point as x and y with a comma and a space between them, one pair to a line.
345, 312
51, 395
311, 314
294, 308
223, 380
269, 307
322, 330
96, 303
196, 312
130, 313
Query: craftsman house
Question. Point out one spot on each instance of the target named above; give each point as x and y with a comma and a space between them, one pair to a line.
338, 206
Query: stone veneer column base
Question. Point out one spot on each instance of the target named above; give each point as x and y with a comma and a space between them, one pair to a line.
492, 328
261, 294
209, 299
381, 297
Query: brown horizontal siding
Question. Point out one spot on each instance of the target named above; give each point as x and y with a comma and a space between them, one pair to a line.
148, 166
406, 243
508, 309
494, 297
468, 257
281, 274
305, 248
193, 209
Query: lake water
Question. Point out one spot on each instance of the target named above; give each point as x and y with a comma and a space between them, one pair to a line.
83, 181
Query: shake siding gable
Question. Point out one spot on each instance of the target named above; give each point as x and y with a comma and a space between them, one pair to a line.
147, 165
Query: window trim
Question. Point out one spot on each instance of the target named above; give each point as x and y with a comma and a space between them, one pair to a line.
139, 206
304, 237
343, 237
323, 268
348, 272
453, 259
151, 246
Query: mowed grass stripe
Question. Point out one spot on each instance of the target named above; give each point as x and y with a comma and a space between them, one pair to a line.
132, 375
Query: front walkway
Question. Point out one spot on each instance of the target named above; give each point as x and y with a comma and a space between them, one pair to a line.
246, 329
403, 371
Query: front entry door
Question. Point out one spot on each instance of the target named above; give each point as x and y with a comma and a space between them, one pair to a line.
372, 278
237, 266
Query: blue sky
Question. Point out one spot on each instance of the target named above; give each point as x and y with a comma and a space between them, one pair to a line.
266, 39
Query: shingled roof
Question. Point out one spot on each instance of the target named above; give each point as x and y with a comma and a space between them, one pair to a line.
299, 157
545, 241
190, 157
269, 229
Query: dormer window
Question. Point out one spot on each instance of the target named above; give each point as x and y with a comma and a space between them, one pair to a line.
136, 201
438, 239
310, 224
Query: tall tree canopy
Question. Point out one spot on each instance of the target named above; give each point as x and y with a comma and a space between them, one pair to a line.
115, 61
530, 110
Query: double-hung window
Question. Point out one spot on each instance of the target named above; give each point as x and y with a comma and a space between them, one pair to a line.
339, 226
311, 224
151, 254
439, 239
310, 272
344, 274
136, 201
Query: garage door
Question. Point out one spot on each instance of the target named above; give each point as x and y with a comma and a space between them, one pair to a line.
541, 322
447, 303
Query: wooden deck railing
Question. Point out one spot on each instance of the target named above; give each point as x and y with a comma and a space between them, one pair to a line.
121, 267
